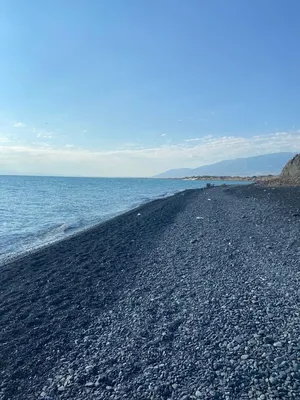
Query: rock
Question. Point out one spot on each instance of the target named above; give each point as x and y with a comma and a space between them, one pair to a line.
279, 360
272, 380
198, 393
291, 171
239, 339
277, 344
268, 340
193, 241
296, 365
245, 356
89, 384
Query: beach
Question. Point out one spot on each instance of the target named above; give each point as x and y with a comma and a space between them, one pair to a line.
194, 296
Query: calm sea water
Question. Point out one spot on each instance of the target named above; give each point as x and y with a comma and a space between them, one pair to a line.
39, 210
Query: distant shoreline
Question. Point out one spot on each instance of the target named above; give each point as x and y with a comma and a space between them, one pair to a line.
227, 178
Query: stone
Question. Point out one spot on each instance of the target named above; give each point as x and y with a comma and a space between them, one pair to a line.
268, 340
245, 356
272, 380
238, 339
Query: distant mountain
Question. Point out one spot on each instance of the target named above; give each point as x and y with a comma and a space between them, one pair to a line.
250, 166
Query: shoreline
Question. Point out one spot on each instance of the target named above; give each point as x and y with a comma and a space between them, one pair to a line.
19, 255
197, 297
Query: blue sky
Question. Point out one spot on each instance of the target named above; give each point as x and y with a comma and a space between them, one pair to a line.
134, 87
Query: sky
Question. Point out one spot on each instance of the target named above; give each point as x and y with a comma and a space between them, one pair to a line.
137, 87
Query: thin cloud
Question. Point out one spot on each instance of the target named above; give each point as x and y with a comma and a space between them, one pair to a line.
163, 134
4, 139
134, 161
19, 125
43, 144
47, 135
202, 139
193, 140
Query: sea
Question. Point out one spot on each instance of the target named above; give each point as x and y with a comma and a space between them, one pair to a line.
36, 210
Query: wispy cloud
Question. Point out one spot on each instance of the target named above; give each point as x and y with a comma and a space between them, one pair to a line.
47, 135
132, 160
42, 144
5, 139
193, 140
163, 134
19, 125
201, 139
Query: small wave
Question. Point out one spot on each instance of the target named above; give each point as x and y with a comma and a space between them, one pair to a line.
65, 227
60, 229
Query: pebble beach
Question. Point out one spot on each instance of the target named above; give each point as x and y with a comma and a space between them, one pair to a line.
194, 296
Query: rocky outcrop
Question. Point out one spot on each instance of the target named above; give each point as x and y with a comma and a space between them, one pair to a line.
291, 171
290, 175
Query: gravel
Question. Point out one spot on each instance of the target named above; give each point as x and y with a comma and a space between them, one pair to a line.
191, 297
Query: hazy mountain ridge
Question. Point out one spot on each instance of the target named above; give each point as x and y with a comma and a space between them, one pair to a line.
249, 166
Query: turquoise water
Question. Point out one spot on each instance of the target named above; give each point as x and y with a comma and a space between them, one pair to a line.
39, 210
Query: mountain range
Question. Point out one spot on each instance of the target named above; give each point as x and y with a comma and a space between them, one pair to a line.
258, 165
